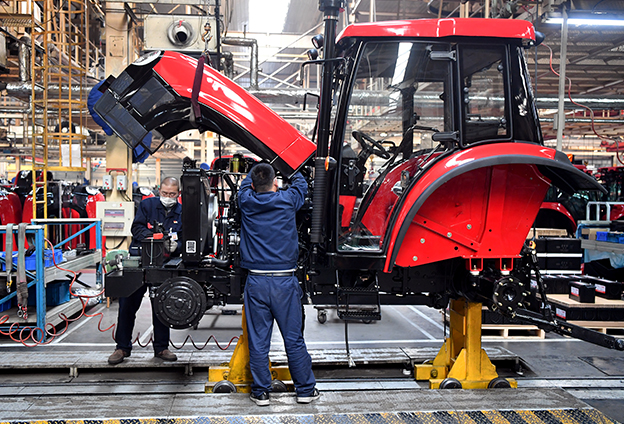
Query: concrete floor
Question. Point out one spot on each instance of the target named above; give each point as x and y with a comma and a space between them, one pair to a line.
555, 370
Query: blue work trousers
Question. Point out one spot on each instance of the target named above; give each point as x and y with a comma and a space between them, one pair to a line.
128, 307
269, 298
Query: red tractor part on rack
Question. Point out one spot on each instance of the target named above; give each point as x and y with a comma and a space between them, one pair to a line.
10, 213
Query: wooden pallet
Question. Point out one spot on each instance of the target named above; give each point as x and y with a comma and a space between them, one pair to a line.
511, 331
547, 232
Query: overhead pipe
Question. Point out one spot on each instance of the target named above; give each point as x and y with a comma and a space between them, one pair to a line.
22, 91
23, 58
562, 76
253, 65
587, 120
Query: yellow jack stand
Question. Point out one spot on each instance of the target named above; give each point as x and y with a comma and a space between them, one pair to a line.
461, 362
235, 376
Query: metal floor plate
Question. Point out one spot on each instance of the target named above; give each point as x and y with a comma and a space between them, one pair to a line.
502, 406
609, 366
568, 416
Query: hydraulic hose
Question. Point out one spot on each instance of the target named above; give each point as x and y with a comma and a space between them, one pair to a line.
30, 336
216, 261
318, 200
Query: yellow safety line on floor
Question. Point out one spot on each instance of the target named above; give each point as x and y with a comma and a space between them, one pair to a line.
562, 416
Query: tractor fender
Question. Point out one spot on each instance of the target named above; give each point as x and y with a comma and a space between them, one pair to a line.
560, 213
533, 165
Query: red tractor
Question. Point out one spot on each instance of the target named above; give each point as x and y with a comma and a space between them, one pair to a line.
430, 225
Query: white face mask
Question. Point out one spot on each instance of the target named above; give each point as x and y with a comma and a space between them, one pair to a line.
168, 201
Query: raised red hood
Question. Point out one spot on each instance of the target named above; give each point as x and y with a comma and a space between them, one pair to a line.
154, 94
225, 97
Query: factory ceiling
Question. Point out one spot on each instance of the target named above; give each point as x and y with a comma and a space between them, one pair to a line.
595, 54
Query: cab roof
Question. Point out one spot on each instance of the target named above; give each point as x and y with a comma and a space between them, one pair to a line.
438, 28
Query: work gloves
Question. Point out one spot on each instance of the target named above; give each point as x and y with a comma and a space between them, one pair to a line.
171, 245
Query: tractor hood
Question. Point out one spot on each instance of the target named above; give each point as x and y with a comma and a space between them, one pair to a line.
154, 94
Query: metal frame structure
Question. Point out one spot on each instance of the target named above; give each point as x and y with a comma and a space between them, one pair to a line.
43, 275
58, 90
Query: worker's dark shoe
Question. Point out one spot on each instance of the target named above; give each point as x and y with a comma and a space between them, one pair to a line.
166, 355
118, 356
310, 398
261, 400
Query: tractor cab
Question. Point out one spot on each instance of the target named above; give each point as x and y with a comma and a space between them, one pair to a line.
405, 101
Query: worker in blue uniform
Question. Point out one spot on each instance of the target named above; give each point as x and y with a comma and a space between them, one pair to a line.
269, 250
163, 210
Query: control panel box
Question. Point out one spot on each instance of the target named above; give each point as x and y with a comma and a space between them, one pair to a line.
107, 182
116, 218
122, 183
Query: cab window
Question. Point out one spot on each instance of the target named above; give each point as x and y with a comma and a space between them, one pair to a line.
397, 103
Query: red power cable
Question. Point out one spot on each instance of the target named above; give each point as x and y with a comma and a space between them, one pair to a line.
49, 331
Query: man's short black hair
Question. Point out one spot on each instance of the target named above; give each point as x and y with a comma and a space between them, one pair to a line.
262, 176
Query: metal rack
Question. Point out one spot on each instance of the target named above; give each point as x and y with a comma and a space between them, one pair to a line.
58, 90
42, 275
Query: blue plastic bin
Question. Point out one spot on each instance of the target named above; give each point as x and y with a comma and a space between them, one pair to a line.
31, 261
57, 293
602, 235
6, 305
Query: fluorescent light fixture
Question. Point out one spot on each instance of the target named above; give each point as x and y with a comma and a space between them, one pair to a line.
585, 19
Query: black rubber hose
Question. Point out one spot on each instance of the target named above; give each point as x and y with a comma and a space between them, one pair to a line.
318, 200
217, 262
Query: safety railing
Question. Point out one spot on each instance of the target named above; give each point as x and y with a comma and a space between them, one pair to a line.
90, 223
599, 213
40, 277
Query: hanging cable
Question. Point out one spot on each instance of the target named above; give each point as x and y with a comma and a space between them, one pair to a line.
30, 336
591, 112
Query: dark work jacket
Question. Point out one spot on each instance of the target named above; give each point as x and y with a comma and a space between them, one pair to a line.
151, 210
269, 238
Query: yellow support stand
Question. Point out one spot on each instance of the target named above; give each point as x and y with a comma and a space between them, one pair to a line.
461, 362
235, 376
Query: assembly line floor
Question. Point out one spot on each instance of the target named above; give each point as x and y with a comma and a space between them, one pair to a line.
560, 380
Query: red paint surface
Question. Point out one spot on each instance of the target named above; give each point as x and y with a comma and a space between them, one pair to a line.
10, 213
558, 207
229, 99
437, 28
499, 203
348, 204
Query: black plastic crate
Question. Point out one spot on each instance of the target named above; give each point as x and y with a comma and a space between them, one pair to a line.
556, 284
564, 263
606, 289
587, 312
563, 245
582, 292
540, 245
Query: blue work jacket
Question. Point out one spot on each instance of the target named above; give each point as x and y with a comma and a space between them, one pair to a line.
269, 239
151, 210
